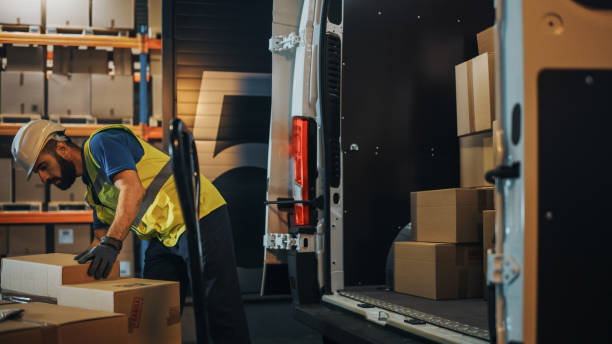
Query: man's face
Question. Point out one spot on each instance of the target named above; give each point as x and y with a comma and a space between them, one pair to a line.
53, 169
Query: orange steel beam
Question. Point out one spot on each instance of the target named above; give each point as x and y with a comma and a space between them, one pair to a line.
44, 217
75, 130
69, 40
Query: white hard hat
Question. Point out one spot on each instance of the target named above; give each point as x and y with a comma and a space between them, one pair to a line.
30, 140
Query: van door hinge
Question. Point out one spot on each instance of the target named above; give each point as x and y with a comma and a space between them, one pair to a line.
282, 241
281, 43
501, 268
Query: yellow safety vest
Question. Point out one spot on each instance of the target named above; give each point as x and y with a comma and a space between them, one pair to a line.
160, 214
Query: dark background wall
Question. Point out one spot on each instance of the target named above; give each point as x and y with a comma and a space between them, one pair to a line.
227, 36
221, 35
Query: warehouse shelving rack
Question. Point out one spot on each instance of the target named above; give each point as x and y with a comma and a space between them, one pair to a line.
143, 44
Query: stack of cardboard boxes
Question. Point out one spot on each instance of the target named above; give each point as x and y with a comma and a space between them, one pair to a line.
452, 228
150, 309
445, 259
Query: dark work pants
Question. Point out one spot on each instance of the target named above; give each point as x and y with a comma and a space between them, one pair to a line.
225, 311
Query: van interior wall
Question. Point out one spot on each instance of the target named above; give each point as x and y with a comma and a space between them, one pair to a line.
399, 108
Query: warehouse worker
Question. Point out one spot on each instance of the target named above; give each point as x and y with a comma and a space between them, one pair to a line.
130, 186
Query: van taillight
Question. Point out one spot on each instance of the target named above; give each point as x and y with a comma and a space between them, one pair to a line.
299, 152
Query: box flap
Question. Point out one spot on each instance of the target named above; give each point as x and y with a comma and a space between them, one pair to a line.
44, 313
122, 284
421, 251
59, 259
446, 197
16, 325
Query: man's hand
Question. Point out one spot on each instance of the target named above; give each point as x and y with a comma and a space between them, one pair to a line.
98, 234
102, 257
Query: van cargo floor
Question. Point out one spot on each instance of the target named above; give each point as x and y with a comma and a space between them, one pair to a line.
452, 313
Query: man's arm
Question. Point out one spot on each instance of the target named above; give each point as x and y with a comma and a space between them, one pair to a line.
103, 256
131, 193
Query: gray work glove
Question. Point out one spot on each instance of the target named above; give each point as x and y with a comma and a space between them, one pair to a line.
102, 257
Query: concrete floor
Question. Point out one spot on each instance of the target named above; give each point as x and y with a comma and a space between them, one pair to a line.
270, 322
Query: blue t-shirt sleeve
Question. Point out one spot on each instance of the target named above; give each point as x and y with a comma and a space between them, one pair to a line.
115, 150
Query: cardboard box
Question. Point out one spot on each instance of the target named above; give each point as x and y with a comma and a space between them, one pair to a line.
438, 270
112, 96
42, 274
20, 331
78, 85
22, 92
72, 238
6, 180
21, 59
486, 40
46, 323
475, 94
26, 239
153, 307
3, 240
475, 159
32, 190
484, 91
28, 12
465, 98
112, 14
67, 13
449, 215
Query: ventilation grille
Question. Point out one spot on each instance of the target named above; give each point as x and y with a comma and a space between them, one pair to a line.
332, 76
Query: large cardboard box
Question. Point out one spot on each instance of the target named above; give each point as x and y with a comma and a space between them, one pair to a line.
20, 331
32, 190
465, 98
78, 86
486, 40
22, 92
449, 215
475, 159
153, 306
72, 238
27, 12
76, 193
475, 94
22, 59
42, 274
483, 91
112, 96
6, 180
438, 270
155, 18
51, 324
67, 13
26, 239
112, 14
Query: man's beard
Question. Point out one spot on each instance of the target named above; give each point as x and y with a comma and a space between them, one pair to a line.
68, 173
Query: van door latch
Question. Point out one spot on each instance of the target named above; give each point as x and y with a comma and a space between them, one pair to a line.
503, 172
501, 269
